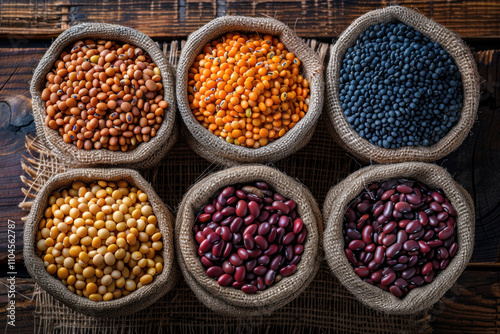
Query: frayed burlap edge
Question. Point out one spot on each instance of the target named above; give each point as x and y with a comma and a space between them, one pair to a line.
218, 150
451, 42
337, 202
234, 302
145, 155
133, 302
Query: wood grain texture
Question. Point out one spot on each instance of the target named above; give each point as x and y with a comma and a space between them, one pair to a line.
28, 19
25, 306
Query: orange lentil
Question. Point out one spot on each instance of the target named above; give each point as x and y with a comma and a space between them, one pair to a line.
247, 89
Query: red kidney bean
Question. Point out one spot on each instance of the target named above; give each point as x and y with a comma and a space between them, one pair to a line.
367, 234
298, 224
242, 253
250, 289
370, 248
411, 246
248, 240
241, 208
227, 267
263, 216
387, 194
389, 240
392, 250
284, 221
446, 233
288, 238
239, 273
214, 271
390, 227
388, 278
288, 270
404, 189
271, 250
269, 277
402, 207
356, 245
248, 220
281, 207
362, 271
225, 280
218, 248
413, 227
302, 237
250, 229
206, 262
412, 199
352, 258
263, 260
232, 200
227, 250
261, 242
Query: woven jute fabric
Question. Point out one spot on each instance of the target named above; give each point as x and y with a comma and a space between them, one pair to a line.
361, 148
227, 300
131, 303
216, 149
146, 154
342, 195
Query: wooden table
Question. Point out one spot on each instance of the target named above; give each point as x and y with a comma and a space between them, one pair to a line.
26, 30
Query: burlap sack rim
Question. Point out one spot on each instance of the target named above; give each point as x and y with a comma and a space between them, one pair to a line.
230, 154
450, 41
189, 260
82, 157
133, 302
333, 243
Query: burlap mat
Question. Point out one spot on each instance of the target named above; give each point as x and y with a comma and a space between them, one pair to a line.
325, 306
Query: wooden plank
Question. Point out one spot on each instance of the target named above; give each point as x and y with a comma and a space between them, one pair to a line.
25, 306
28, 19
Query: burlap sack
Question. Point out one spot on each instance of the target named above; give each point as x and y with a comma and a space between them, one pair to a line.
217, 150
451, 42
131, 303
337, 202
145, 155
227, 300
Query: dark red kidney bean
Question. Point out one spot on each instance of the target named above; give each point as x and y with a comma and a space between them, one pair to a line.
228, 211
382, 219
273, 219
404, 189
209, 209
235, 259
232, 200
443, 252
226, 221
402, 207
236, 225
248, 241
260, 283
271, 250
205, 246
356, 245
250, 289
389, 227
261, 242
363, 207
433, 221
350, 215
218, 248
207, 231
288, 270
378, 211
388, 208
362, 271
402, 236
444, 264
423, 247
403, 223
416, 236
372, 266
263, 260
403, 259
229, 191
436, 206
237, 238
298, 249
392, 262
288, 238
227, 267
206, 262
241, 208
453, 249
417, 280
250, 229
413, 227
364, 218
237, 285
449, 208
263, 216
446, 233
376, 276
422, 218
280, 233
298, 224
435, 264
253, 208
428, 235
426, 268
412, 199
225, 233
387, 194
434, 243
401, 282
250, 265
409, 273
396, 291
225, 280
215, 271
442, 216
379, 255
199, 237
228, 249
353, 234
367, 234
272, 235
399, 267
295, 259
254, 198
240, 194
389, 240
276, 262
437, 197
213, 237
218, 207
242, 253
388, 279
222, 199
370, 248
291, 204
352, 258
451, 222
411, 246
302, 236
393, 250
217, 217
248, 220
239, 273
281, 207
205, 217
278, 197
269, 277
429, 277
412, 261
260, 270
283, 221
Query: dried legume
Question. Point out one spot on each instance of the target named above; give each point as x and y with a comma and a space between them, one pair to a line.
249, 237
247, 89
104, 94
399, 234
101, 239
398, 88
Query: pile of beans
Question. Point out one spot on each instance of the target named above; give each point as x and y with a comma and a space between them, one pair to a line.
398, 88
101, 240
103, 94
399, 235
249, 237
247, 89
